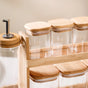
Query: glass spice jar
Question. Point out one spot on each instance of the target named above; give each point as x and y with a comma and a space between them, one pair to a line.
80, 34
86, 63
44, 77
73, 74
9, 43
61, 36
39, 39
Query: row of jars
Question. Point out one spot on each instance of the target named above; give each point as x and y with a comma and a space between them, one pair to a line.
57, 37
64, 75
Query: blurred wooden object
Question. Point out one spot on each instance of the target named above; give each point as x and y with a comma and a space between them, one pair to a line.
11, 86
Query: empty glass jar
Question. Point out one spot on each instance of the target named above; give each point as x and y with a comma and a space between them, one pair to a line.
61, 36
44, 77
39, 39
80, 34
86, 63
8, 59
73, 75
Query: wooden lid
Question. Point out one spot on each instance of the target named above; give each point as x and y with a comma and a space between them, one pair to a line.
80, 21
9, 43
61, 23
43, 72
69, 68
37, 28
85, 61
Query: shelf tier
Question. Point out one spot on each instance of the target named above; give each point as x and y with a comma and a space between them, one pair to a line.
55, 60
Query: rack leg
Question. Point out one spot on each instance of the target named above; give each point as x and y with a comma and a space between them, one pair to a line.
23, 70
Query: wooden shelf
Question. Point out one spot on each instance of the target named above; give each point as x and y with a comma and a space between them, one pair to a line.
54, 60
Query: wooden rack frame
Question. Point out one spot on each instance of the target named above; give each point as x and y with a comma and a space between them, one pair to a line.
25, 63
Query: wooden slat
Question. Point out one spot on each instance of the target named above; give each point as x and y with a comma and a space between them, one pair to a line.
25, 43
23, 55
54, 60
10, 86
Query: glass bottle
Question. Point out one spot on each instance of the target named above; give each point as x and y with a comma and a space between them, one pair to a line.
9, 43
80, 34
86, 63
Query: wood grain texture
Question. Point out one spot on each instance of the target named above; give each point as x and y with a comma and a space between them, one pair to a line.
61, 23
54, 60
42, 72
80, 21
9, 43
73, 67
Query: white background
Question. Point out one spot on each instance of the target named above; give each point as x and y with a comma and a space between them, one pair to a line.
22, 11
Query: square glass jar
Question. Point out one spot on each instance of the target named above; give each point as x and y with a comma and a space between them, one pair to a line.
72, 74
61, 36
39, 39
44, 77
86, 63
80, 34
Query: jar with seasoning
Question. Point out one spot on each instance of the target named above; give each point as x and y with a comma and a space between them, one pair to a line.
9, 43
39, 39
80, 34
73, 74
61, 36
44, 77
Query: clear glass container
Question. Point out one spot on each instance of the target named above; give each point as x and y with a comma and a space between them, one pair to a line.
73, 81
61, 42
44, 77
72, 74
8, 66
61, 36
8, 59
39, 40
80, 34
45, 83
80, 42
86, 63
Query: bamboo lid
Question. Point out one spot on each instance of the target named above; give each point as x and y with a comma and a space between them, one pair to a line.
10, 42
80, 21
85, 62
61, 23
37, 28
71, 68
43, 72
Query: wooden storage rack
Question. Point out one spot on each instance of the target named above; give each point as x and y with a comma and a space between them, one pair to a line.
25, 62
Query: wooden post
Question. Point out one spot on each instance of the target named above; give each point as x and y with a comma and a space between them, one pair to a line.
23, 56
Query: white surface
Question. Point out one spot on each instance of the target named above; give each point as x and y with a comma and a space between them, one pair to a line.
8, 71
